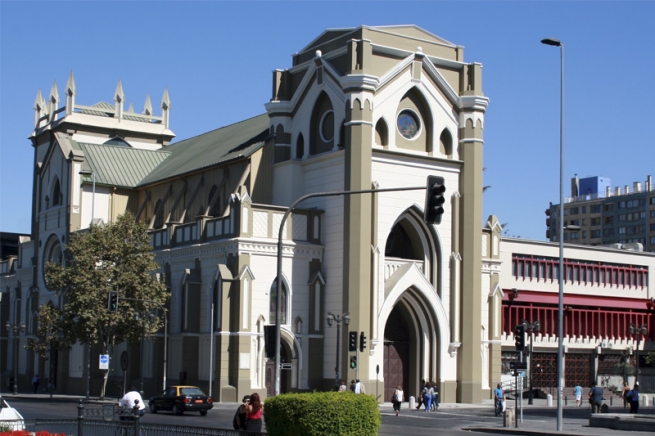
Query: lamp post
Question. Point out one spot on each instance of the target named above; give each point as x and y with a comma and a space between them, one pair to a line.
531, 327
16, 329
93, 209
560, 312
332, 318
639, 330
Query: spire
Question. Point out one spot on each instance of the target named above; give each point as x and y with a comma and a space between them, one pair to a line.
54, 100
147, 108
165, 107
119, 97
38, 107
131, 109
70, 94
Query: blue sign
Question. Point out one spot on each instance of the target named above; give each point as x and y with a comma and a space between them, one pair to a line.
104, 361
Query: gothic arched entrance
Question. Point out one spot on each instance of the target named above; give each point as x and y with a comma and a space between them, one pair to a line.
285, 374
396, 352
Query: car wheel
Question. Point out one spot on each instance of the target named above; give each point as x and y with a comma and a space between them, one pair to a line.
203, 413
176, 410
153, 408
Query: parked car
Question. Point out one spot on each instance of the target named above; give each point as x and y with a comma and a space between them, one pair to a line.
180, 399
10, 419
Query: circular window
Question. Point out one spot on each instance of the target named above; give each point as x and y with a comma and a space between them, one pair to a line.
327, 126
408, 124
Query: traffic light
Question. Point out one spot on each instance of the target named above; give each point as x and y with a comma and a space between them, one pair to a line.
113, 301
362, 342
434, 200
353, 362
352, 341
519, 337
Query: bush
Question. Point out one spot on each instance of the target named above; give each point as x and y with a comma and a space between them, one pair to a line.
26, 433
322, 414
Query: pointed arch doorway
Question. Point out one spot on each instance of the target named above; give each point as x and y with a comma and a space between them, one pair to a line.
397, 347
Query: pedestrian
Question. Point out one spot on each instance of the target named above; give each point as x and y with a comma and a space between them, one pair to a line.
359, 387
129, 400
626, 389
578, 395
435, 397
633, 398
397, 398
254, 412
239, 420
427, 396
499, 398
35, 382
595, 397
419, 400
342, 387
352, 385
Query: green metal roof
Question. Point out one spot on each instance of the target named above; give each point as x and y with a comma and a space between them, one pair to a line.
120, 166
221, 145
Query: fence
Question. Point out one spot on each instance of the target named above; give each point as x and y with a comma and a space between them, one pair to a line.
103, 421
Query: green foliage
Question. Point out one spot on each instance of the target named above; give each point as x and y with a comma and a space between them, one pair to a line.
322, 414
113, 257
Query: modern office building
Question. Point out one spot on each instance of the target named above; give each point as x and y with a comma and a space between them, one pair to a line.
621, 217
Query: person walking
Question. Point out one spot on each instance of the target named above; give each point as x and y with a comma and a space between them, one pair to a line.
35, 382
633, 397
626, 389
435, 396
595, 397
342, 387
578, 395
427, 396
359, 387
419, 397
499, 397
352, 385
254, 412
397, 398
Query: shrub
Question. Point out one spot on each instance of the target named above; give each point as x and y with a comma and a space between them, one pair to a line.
322, 414
26, 433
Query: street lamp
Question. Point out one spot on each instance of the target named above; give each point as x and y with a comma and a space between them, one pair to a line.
88, 348
337, 319
137, 316
560, 226
531, 327
16, 328
639, 330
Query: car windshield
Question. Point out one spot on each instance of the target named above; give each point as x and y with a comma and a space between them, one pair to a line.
191, 391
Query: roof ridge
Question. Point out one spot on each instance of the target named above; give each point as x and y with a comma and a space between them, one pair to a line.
219, 128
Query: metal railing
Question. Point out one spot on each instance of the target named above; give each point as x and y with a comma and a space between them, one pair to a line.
104, 421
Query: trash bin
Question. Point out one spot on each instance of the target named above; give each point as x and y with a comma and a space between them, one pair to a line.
508, 417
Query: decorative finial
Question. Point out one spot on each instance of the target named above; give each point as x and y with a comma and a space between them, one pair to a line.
319, 53
147, 108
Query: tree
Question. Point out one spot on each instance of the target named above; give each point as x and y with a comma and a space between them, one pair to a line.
117, 257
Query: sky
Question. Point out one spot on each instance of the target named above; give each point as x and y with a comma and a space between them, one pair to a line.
216, 59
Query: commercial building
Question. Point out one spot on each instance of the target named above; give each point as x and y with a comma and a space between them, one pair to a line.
605, 215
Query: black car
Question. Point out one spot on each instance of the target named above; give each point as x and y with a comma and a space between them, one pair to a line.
180, 399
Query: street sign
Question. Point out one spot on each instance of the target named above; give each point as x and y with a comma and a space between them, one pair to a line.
124, 361
518, 365
285, 366
104, 361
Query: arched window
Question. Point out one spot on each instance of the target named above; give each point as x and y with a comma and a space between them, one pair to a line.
57, 196
273, 303
381, 133
300, 147
446, 143
322, 126
414, 123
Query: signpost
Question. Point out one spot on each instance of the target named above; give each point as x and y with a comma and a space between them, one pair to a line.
104, 362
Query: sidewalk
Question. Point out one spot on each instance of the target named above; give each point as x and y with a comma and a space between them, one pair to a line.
531, 426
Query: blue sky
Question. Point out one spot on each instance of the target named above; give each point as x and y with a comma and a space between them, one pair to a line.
216, 58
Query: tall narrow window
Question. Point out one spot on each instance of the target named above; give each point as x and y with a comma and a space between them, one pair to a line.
273, 302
